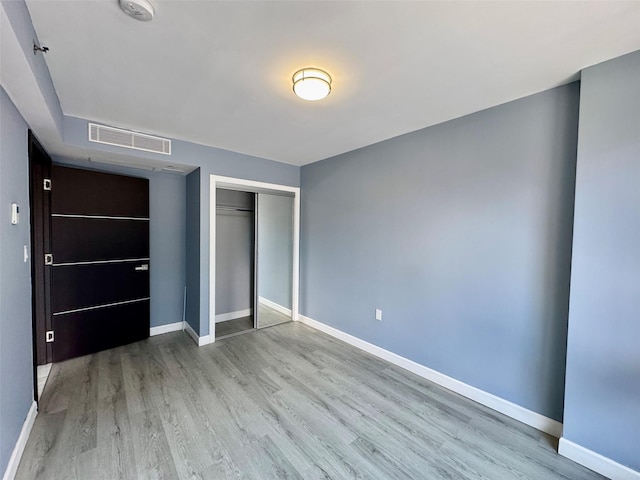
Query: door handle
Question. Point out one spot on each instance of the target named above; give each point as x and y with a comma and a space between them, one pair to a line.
142, 268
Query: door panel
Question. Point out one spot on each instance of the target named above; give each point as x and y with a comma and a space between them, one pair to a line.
100, 220
97, 239
275, 259
102, 194
98, 284
90, 331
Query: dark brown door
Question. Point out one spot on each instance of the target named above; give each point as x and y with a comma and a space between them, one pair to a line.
40, 207
100, 265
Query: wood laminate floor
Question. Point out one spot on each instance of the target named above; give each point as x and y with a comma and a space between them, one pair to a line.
286, 402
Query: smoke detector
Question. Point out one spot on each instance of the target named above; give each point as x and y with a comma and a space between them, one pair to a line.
139, 9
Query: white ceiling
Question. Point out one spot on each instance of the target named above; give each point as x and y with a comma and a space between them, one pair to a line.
219, 73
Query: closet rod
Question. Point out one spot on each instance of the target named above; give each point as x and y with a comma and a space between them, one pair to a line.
236, 209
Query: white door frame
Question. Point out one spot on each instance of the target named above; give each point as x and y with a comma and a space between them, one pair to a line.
217, 181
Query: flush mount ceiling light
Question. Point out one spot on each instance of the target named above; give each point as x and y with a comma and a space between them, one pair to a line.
139, 9
311, 84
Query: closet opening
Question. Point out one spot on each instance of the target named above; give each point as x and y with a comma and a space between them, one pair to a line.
254, 255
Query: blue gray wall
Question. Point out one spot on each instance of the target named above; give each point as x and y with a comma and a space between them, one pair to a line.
16, 358
602, 402
275, 248
461, 234
167, 206
167, 238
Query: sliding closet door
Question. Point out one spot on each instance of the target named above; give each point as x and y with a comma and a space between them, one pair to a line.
100, 261
275, 258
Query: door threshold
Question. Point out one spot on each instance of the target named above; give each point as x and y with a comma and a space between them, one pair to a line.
235, 334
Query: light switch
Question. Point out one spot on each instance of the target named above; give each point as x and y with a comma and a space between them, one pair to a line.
15, 214
26, 254
378, 314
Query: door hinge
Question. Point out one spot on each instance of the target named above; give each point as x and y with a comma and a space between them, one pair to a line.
49, 336
48, 258
47, 184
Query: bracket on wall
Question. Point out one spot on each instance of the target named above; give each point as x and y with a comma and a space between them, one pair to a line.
37, 48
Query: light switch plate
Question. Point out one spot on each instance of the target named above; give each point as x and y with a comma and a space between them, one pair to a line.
15, 214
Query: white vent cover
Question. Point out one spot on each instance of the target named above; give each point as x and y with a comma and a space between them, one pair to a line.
127, 139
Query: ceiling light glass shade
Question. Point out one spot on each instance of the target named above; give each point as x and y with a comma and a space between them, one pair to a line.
311, 84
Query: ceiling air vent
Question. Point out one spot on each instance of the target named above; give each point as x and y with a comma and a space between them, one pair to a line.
127, 139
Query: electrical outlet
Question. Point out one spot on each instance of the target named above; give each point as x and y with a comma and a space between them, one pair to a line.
378, 314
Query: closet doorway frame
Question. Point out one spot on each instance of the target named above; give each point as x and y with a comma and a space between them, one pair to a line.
231, 183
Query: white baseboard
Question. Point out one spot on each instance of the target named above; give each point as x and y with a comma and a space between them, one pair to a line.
43, 372
18, 450
170, 327
596, 462
279, 308
223, 317
528, 417
200, 341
